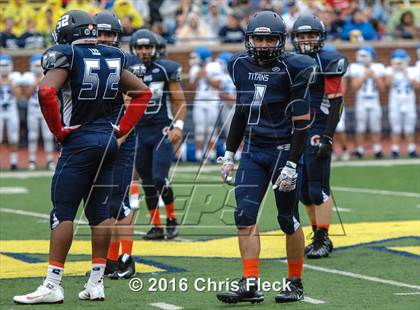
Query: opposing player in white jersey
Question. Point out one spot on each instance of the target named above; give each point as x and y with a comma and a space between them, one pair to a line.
367, 80
9, 115
35, 120
205, 76
402, 81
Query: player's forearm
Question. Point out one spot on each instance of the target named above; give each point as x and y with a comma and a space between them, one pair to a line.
48, 102
299, 138
336, 108
236, 132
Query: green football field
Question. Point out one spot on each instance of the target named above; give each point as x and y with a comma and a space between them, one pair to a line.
375, 264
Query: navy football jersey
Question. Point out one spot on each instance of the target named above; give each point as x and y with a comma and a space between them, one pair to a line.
92, 86
264, 96
330, 63
158, 76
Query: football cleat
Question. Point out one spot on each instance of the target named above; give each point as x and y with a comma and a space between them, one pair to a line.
322, 245
13, 167
47, 293
172, 230
126, 268
246, 291
293, 291
94, 292
395, 155
310, 245
412, 154
358, 154
111, 267
379, 155
155, 233
32, 166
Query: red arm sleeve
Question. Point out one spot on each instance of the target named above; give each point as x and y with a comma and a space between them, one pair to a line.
48, 101
333, 85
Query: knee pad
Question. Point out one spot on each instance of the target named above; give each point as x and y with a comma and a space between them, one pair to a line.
160, 184
304, 197
288, 223
316, 193
244, 218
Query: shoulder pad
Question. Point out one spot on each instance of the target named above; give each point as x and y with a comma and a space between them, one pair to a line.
302, 68
334, 63
59, 56
231, 63
173, 69
138, 70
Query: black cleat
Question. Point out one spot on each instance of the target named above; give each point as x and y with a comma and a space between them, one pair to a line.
172, 230
379, 155
292, 292
358, 154
322, 245
110, 267
126, 268
395, 155
412, 154
155, 233
13, 167
247, 291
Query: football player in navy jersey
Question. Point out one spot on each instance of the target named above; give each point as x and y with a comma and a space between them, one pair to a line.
160, 127
123, 266
308, 37
272, 116
82, 80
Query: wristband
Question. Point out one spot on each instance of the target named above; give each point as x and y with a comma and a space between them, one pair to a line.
179, 124
229, 155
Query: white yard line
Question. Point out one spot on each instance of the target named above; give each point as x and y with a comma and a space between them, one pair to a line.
341, 209
360, 276
406, 294
25, 174
13, 190
375, 191
376, 163
34, 214
165, 306
314, 301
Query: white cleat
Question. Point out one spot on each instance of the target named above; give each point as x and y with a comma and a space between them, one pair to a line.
93, 292
47, 293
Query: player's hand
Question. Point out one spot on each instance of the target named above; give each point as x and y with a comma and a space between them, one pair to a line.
324, 148
227, 167
174, 135
286, 182
65, 132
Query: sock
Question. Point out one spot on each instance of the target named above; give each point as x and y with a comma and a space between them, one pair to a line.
295, 268
411, 148
198, 155
377, 148
170, 211
49, 148
13, 158
134, 197
32, 146
360, 150
55, 272
161, 203
212, 155
97, 271
113, 250
324, 226
313, 223
155, 217
126, 246
395, 148
250, 268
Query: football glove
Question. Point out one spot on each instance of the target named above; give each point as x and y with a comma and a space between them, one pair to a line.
227, 167
324, 148
65, 132
286, 181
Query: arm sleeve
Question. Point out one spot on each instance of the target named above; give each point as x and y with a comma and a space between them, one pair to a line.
236, 131
299, 138
336, 108
333, 85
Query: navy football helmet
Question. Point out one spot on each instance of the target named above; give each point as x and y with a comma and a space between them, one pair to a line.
144, 37
161, 47
308, 24
75, 25
268, 24
109, 22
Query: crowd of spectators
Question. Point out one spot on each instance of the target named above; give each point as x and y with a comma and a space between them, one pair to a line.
214, 21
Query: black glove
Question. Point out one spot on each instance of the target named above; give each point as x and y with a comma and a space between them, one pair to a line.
324, 149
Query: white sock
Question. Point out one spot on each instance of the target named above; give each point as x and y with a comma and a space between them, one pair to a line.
97, 273
395, 148
32, 150
13, 158
49, 147
360, 150
198, 155
212, 154
54, 274
411, 148
377, 148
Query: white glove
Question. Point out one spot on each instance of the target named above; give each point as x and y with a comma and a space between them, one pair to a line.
227, 167
286, 182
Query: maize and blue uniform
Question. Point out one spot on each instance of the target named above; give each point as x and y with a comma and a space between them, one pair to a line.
84, 169
154, 151
264, 97
9, 114
316, 175
124, 163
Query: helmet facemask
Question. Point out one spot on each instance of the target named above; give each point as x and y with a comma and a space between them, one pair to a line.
307, 42
108, 37
264, 53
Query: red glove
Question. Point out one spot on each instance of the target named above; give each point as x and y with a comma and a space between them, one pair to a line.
48, 101
134, 112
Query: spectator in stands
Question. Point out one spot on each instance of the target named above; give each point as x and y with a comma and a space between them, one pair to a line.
195, 31
331, 21
170, 11
377, 10
406, 29
128, 29
125, 8
84, 5
339, 5
232, 32
31, 38
215, 19
47, 26
8, 38
19, 11
158, 27
291, 15
53, 11
359, 22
